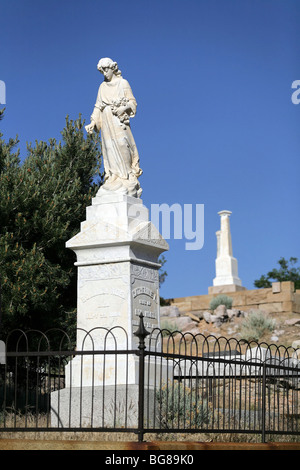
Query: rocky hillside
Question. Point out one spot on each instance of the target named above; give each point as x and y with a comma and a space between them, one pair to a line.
231, 323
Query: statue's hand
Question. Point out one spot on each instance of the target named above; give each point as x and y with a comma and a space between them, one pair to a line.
90, 127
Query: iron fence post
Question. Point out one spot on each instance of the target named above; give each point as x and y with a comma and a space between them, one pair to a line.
263, 416
141, 334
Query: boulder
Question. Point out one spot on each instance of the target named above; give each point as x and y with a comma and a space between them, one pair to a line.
196, 314
169, 311
180, 323
293, 321
234, 312
216, 319
207, 317
188, 327
193, 317
221, 311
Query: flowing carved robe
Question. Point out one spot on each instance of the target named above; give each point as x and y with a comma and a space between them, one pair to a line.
120, 155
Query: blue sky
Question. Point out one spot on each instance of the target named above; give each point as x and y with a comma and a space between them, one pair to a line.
215, 122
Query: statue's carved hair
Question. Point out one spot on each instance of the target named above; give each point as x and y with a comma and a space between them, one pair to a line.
107, 62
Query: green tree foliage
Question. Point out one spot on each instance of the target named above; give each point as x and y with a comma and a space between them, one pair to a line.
287, 272
42, 202
162, 277
162, 272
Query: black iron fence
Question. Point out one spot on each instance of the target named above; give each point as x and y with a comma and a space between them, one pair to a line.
158, 382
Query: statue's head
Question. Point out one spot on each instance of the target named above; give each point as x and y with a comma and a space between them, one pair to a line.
107, 64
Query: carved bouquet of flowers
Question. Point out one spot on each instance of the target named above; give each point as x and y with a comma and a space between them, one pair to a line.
124, 117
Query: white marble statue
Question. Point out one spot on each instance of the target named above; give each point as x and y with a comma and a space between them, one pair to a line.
114, 107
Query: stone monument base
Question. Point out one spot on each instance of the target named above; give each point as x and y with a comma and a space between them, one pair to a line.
101, 407
225, 289
104, 392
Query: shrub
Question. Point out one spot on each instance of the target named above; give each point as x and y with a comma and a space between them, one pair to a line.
255, 325
220, 300
170, 327
179, 406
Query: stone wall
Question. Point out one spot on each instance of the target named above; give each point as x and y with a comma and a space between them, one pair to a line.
281, 298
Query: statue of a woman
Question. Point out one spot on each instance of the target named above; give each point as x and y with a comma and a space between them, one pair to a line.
114, 106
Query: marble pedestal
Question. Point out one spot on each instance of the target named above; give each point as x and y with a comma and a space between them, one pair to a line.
225, 289
117, 253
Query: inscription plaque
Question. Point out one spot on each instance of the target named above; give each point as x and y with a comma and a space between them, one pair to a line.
145, 297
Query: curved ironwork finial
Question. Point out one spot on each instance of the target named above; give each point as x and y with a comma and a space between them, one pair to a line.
141, 333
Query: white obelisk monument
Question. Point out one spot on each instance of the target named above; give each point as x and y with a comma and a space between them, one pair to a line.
227, 279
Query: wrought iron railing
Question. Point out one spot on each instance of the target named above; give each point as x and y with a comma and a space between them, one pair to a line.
170, 383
